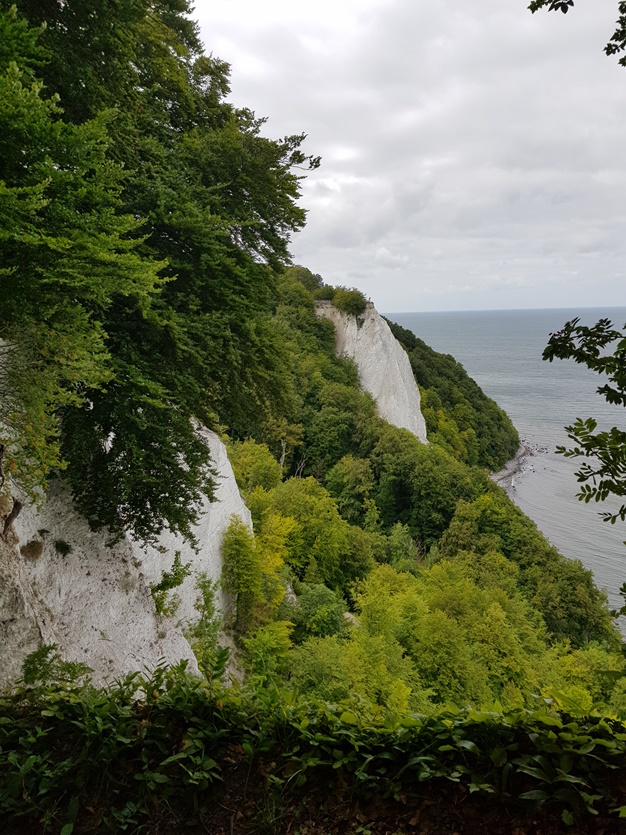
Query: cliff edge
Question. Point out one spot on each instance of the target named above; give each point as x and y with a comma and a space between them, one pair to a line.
383, 365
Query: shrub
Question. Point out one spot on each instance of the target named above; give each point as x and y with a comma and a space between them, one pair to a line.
169, 580
352, 301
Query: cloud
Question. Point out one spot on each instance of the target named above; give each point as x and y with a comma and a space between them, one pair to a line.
468, 150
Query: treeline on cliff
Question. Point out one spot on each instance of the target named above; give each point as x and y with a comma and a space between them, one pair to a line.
145, 288
389, 569
142, 221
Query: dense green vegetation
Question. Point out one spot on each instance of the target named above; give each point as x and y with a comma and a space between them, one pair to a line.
453, 595
390, 593
459, 416
163, 753
142, 220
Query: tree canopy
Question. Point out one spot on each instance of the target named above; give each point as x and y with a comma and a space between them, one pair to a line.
143, 219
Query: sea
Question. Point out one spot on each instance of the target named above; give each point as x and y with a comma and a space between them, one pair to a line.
501, 350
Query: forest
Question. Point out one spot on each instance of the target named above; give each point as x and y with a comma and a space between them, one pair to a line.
399, 622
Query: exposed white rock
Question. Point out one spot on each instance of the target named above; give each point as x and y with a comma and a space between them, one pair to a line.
383, 365
95, 602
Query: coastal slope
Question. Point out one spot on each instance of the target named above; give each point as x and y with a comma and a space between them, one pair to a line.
383, 366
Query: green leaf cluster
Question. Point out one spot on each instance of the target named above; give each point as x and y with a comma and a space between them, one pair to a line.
158, 750
142, 219
602, 348
165, 603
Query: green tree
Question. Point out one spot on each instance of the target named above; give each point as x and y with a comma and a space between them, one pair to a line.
350, 301
322, 537
242, 574
562, 590
253, 465
318, 612
351, 482
601, 348
267, 651
68, 258
177, 185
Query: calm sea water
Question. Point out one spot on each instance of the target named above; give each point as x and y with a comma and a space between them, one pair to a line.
502, 350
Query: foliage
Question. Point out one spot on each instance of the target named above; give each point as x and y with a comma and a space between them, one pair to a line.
404, 554
320, 546
151, 747
409, 505
562, 590
312, 281
325, 293
352, 302
203, 635
144, 229
267, 650
351, 482
45, 666
601, 348
142, 221
67, 256
617, 42
166, 604
459, 416
242, 574
369, 667
318, 612
419, 485
254, 465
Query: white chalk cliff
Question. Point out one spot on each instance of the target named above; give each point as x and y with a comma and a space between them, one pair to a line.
383, 365
95, 602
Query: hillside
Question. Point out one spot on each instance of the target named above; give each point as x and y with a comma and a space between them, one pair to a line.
216, 466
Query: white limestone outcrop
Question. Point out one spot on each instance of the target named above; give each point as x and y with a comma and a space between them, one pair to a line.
383, 365
95, 602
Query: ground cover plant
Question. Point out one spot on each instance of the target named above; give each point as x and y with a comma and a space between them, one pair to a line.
162, 750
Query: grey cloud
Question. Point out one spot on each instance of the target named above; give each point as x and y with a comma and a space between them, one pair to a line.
473, 147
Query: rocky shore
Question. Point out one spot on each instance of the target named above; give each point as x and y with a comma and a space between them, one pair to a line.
518, 465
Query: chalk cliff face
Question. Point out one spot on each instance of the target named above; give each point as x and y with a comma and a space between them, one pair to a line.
94, 602
63, 584
383, 365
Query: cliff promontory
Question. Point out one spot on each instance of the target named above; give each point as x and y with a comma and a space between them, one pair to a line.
384, 368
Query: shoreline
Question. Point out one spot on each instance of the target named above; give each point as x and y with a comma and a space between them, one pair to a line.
518, 465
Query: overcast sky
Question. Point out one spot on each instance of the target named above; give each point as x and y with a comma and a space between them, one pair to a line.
473, 154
